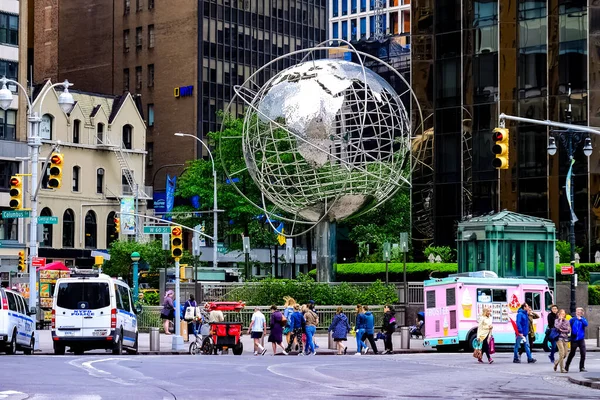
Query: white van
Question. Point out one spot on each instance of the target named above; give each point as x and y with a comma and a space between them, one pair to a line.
93, 311
16, 326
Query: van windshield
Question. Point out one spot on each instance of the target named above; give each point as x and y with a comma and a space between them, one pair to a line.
83, 295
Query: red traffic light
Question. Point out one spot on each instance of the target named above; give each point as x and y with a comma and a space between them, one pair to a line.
15, 181
56, 159
176, 231
498, 136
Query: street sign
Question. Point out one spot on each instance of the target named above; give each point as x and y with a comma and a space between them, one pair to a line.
38, 262
16, 214
567, 270
153, 229
48, 220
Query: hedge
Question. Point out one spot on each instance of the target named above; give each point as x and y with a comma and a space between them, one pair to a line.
594, 295
368, 272
272, 291
582, 271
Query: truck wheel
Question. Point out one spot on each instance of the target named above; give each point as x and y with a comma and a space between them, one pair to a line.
238, 349
471, 341
207, 346
59, 349
12, 346
118, 349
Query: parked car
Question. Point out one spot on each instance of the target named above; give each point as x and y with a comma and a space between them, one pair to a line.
93, 311
17, 328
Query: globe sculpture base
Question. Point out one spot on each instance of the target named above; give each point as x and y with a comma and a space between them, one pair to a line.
326, 250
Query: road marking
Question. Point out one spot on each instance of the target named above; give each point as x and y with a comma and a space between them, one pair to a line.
6, 393
100, 373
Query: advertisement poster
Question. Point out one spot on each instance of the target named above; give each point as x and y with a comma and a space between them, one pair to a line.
127, 217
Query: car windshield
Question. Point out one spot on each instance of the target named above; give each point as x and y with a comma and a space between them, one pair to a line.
83, 295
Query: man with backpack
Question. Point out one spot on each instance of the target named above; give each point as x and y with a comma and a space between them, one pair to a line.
389, 327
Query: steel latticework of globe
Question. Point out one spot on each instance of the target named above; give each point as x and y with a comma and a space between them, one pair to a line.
325, 139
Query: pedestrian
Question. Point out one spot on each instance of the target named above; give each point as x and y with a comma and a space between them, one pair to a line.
312, 321
296, 324
578, 325
167, 314
369, 329
276, 326
562, 341
389, 327
190, 315
531, 316
214, 315
551, 319
484, 333
315, 311
523, 334
288, 310
340, 328
257, 328
361, 325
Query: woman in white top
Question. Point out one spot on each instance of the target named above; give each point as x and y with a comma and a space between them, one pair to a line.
484, 332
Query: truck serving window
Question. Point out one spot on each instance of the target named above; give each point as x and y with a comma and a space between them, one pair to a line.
83, 295
451, 297
533, 299
431, 299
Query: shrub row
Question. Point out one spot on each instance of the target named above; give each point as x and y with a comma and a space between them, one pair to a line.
594, 295
368, 272
272, 291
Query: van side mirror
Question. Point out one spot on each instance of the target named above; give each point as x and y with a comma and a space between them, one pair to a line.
138, 308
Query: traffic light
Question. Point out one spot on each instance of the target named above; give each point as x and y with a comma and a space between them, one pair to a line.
500, 148
22, 264
56, 165
117, 225
16, 193
176, 242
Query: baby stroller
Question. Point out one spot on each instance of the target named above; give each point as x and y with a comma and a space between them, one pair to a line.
417, 330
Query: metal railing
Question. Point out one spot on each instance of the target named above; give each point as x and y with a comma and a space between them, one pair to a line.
150, 316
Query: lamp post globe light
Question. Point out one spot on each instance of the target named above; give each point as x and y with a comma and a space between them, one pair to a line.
215, 219
66, 102
135, 257
570, 139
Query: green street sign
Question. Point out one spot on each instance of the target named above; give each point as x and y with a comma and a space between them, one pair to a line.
153, 229
48, 220
16, 214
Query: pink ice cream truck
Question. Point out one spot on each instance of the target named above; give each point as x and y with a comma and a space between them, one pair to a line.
453, 306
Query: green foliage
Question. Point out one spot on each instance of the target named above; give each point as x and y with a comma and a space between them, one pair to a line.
582, 270
447, 254
151, 299
369, 272
564, 250
303, 289
594, 295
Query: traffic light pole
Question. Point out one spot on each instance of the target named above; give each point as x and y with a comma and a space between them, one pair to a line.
34, 142
177, 343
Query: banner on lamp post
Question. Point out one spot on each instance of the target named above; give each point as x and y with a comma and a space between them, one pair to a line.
127, 217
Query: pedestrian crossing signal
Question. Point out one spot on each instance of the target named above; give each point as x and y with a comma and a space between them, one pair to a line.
16, 193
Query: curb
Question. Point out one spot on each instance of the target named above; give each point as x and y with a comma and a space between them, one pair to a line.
179, 353
585, 382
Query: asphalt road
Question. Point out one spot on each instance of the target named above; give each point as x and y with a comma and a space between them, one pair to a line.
425, 376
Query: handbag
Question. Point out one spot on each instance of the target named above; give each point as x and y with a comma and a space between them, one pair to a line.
190, 313
492, 344
477, 353
283, 321
554, 334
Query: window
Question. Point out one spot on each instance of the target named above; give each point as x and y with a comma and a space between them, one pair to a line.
12, 301
534, 300
126, 41
8, 121
127, 137
126, 80
138, 5
100, 180
150, 155
451, 296
150, 36
9, 29
100, 133
68, 228
9, 69
150, 75
111, 234
138, 77
336, 30
126, 6
90, 230
123, 295
548, 300
150, 4
452, 319
83, 295
430, 295
46, 229
7, 169
21, 304
138, 37
76, 130
9, 227
76, 170
150, 114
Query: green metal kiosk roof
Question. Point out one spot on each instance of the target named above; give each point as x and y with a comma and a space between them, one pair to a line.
506, 218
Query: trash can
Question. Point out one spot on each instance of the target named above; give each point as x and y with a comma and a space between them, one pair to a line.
330, 342
404, 337
154, 339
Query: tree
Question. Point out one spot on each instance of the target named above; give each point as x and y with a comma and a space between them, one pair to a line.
240, 215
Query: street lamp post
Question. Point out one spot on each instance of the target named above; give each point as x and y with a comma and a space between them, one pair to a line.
66, 102
135, 257
215, 219
570, 139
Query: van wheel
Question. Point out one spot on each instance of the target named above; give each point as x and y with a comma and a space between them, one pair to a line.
12, 346
29, 351
118, 349
59, 349
134, 350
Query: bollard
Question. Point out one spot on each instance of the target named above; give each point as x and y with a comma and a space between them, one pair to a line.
404, 338
154, 339
598, 338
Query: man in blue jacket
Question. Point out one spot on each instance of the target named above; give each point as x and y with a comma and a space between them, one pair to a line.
578, 325
523, 333
370, 329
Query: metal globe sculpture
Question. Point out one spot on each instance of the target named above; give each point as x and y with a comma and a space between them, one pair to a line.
325, 139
